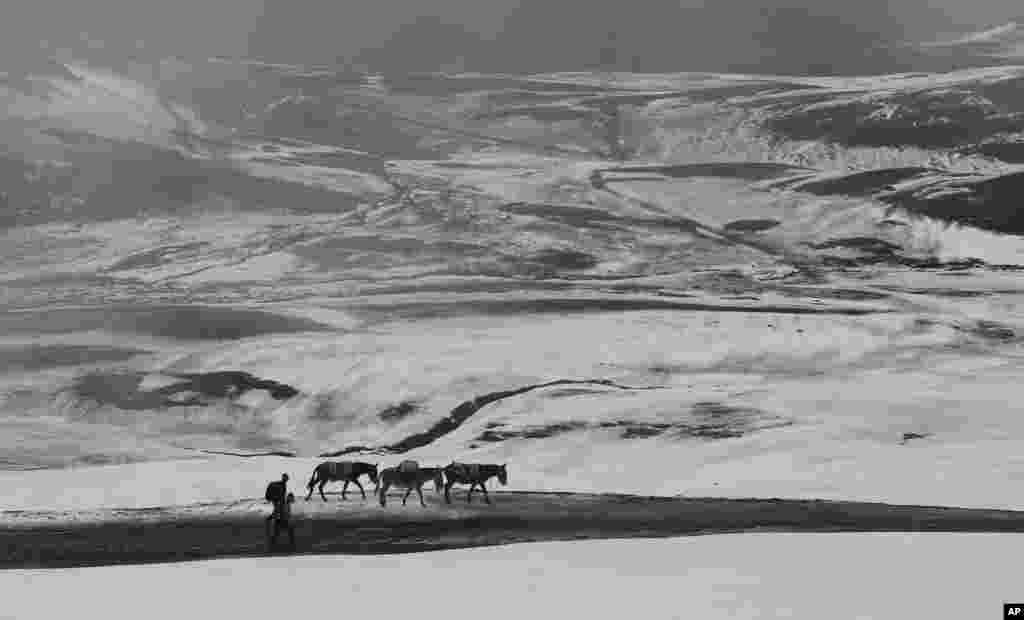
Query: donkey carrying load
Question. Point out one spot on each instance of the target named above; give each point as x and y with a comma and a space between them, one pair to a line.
472, 474
409, 475
349, 471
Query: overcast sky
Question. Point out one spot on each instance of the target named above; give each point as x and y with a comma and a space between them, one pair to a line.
655, 33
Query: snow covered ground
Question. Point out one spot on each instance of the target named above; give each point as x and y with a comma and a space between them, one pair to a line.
799, 576
697, 359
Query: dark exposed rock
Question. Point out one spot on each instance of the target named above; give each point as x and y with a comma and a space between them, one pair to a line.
397, 412
751, 226
122, 389
229, 383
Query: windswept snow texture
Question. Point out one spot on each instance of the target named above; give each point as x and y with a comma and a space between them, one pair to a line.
705, 285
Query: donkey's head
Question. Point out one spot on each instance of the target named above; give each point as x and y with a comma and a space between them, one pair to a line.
503, 474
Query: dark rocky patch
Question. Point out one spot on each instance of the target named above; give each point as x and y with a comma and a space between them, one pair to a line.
570, 213
519, 307
844, 294
180, 322
122, 389
728, 283
471, 286
467, 409
749, 171
861, 183
957, 267
991, 203
284, 453
642, 431
910, 436
709, 420
990, 330
229, 383
1009, 152
942, 292
946, 118
674, 294
556, 259
637, 430
570, 392
394, 413
751, 226
630, 430
348, 450
583, 217
864, 244
715, 420
156, 257
531, 432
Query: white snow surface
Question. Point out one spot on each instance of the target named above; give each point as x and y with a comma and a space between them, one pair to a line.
739, 576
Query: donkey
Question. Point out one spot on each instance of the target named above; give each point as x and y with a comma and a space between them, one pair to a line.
410, 480
349, 471
472, 474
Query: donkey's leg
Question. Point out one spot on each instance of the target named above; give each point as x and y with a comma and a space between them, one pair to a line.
447, 491
322, 483
312, 484
483, 487
469, 496
419, 491
406, 496
383, 493
344, 490
360, 488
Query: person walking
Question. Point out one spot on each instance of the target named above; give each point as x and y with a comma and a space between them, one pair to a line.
276, 494
284, 521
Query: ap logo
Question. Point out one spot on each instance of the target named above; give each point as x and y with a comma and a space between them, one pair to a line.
1013, 610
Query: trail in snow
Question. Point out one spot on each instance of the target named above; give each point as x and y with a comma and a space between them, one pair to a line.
177, 533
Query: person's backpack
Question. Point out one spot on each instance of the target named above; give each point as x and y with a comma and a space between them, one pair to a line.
408, 467
275, 492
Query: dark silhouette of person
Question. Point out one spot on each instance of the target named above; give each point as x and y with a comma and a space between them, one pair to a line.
284, 521
276, 495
